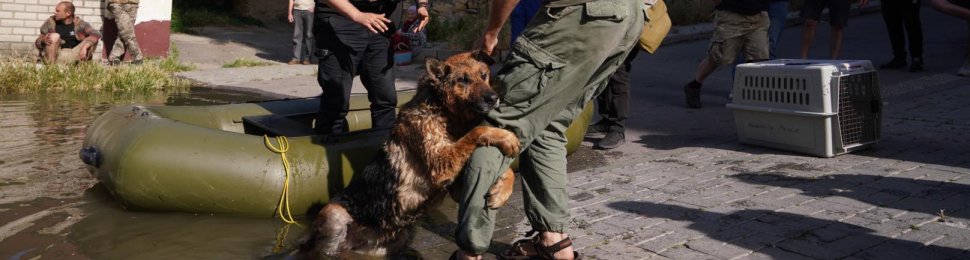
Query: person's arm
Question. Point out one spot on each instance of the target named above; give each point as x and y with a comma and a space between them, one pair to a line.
88, 42
423, 17
289, 12
376, 23
501, 9
946, 7
43, 35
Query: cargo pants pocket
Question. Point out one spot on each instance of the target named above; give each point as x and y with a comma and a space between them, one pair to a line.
528, 71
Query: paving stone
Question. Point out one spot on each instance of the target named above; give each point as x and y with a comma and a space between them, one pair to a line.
833, 250
896, 249
888, 228
882, 213
586, 238
682, 252
954, 232
759, 241
664, 242
608, 230
616, 250
771, 253
717, 248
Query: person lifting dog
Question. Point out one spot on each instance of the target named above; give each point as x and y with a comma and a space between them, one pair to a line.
561, 61
353, 38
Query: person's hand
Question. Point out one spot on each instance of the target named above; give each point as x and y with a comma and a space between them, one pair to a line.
83, 54
289, 17
488, 42
423, 18
863, 3
47, 39
376, 23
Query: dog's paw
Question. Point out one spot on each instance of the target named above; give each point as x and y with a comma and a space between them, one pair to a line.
500, 192
502, 139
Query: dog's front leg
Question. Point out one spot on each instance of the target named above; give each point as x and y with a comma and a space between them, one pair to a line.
455, 155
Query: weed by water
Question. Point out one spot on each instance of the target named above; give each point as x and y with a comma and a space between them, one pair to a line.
22, 75
245, 62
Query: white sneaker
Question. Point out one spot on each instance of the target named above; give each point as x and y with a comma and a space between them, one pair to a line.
965, 70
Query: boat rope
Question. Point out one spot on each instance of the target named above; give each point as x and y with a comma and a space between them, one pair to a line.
284, 146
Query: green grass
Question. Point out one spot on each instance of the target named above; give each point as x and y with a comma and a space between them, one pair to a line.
25, 76
245, 62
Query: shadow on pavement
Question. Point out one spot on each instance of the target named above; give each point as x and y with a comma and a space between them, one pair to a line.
909, 194
784, 235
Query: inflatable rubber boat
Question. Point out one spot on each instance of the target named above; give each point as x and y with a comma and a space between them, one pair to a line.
224, 159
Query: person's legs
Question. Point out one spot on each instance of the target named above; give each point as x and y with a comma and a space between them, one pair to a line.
614, 104
125, 17
540, 93
299, 29
839, 18
68, 56
755, 47
914, 31
778, 14
307, 36
339, 59
892, 14
377, 75
51, 50
965, 69
836, 43
811, 11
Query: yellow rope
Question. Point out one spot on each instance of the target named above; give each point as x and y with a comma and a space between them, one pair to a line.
285, 198
280, 236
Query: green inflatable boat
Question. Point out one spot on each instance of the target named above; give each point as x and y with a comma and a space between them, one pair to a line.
215, 159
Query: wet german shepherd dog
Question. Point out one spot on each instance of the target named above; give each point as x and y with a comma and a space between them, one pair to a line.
434, 135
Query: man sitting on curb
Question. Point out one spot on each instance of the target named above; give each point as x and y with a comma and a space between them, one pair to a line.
65, 38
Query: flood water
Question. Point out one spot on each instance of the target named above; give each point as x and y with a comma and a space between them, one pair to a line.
51, 207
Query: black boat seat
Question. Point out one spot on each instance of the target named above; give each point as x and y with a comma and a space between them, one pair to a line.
275, 125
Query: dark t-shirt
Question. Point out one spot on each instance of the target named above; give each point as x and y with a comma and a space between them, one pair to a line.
67, 35
743, 7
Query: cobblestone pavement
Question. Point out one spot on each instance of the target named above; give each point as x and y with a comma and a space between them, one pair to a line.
684, 188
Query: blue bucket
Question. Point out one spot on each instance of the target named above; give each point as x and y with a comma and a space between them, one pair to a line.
403, 58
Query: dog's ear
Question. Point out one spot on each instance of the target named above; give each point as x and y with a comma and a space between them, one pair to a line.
480, 55
437, 70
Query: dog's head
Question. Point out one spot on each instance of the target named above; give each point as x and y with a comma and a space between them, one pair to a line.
462, 82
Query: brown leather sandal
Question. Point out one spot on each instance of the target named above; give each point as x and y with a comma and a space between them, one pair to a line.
544, 252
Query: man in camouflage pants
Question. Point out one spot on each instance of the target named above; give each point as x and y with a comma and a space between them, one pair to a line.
124, 12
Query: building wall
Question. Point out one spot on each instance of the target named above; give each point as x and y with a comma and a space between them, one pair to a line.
20, 21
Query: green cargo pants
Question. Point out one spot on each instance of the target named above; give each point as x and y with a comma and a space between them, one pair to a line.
560, 62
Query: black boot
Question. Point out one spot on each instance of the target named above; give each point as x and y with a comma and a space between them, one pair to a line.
613, 139
917, 65
894, 64
598, 129
693, 93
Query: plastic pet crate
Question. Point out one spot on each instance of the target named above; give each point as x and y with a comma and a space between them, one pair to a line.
818, 107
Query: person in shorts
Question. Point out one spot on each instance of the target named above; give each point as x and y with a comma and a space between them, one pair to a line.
739, 26
838, 18
65, 38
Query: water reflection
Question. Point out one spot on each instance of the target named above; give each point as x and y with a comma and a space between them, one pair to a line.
45, 191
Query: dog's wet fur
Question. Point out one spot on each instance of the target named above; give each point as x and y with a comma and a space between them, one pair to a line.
434, 135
